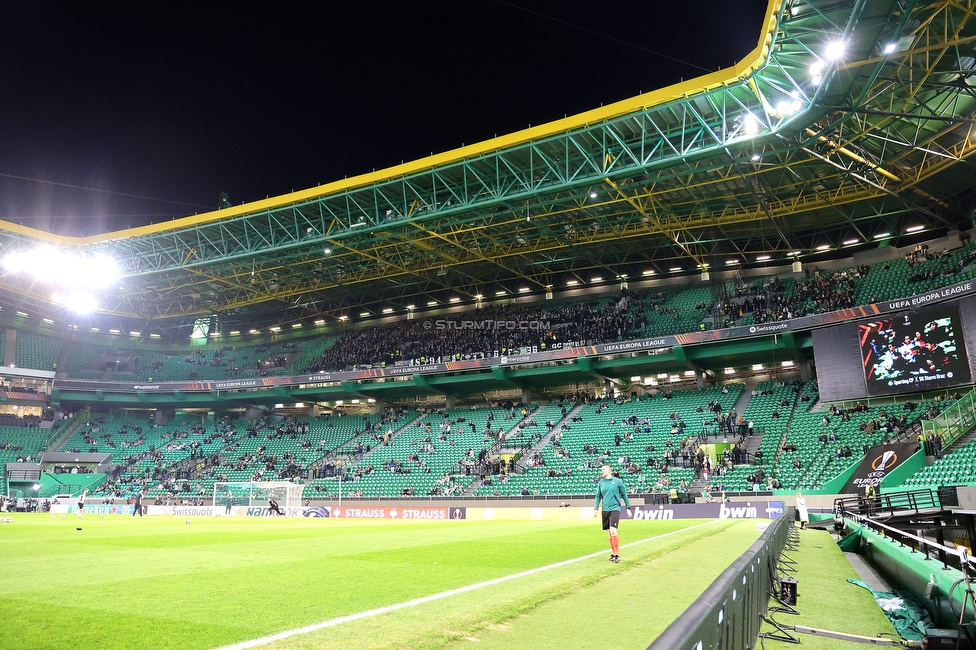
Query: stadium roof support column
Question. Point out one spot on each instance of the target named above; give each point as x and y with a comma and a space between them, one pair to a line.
253, 412
164, 415
805, 368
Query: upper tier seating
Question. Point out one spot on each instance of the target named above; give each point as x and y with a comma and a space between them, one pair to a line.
106, 363
36, 350
622, 316
919, 272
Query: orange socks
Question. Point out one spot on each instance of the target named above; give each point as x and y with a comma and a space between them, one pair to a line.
615, 544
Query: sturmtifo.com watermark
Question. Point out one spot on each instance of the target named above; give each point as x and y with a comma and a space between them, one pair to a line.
487, 325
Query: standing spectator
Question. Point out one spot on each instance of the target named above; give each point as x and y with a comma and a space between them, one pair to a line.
801, 510
137, 504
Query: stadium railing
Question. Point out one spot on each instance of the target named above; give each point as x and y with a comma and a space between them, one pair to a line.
730, 612
888, 505
955, 421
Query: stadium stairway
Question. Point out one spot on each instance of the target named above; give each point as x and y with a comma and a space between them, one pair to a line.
539, 446
752, 443
74, 423
344, 453
743, 402
498, 446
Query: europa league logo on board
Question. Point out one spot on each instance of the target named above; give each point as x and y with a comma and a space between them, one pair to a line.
877, 464
884, 461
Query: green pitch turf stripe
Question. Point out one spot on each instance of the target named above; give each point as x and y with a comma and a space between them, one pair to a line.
243, 645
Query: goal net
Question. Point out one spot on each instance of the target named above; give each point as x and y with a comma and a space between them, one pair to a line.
257, 493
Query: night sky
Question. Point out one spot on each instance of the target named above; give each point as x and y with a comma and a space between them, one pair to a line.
178, 102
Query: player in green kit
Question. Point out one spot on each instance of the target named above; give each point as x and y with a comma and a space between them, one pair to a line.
610, 490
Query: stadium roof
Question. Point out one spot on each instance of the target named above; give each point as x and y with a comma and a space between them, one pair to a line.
849, 125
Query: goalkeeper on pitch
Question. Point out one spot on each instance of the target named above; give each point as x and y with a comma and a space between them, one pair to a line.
610, 490
273, 509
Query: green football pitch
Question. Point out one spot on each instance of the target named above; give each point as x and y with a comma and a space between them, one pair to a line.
159, 583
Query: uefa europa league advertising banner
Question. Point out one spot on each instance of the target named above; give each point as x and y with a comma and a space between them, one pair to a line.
877, 464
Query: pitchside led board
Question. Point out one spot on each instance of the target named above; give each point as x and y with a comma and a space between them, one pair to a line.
914, 351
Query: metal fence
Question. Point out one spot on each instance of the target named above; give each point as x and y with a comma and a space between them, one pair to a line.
729, 614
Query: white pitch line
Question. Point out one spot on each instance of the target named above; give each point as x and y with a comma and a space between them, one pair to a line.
243, 645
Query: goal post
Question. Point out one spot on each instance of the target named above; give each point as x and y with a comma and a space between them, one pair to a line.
257, 493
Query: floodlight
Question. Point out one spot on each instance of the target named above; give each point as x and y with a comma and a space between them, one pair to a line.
750, 124
786, 108
79, 302
835, 50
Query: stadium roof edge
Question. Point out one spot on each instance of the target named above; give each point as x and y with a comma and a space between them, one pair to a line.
737, 73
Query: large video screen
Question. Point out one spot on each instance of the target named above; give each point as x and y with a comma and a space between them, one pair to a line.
914, 351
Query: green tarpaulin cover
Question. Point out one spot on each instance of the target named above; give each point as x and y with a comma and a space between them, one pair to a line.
852, 542
910, 619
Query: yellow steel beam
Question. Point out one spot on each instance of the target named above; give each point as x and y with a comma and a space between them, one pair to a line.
719, 79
